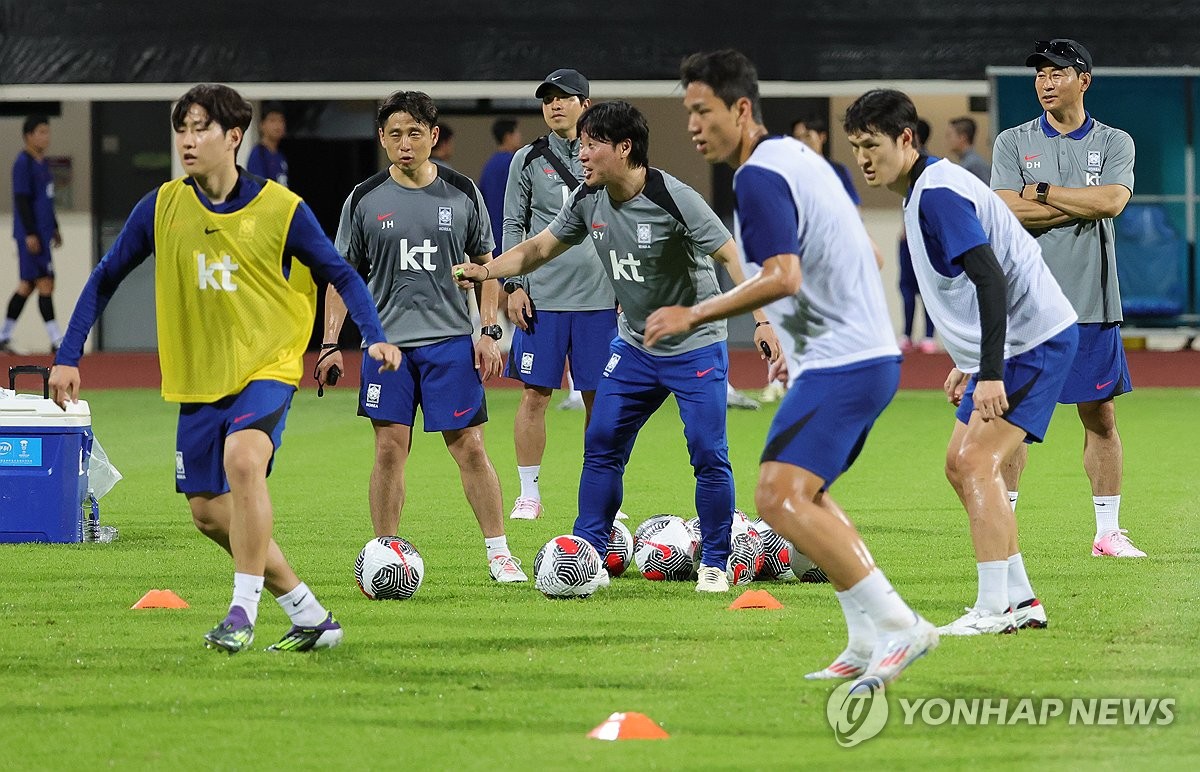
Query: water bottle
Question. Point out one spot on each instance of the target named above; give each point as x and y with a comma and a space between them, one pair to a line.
91, 517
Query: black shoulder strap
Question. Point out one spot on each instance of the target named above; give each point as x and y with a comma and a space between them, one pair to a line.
540, 148
656, 191
366, 186
458, 180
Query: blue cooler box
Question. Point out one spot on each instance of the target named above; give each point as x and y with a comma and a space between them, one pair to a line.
44, 454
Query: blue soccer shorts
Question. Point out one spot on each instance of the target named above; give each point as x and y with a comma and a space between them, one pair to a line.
33, 267
823, 421
440, 377
1099, 370
1033, 382
203, 427
554, 337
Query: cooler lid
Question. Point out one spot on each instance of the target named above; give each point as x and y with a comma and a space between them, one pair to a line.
31, 410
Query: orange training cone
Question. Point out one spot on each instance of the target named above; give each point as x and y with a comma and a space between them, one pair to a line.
628, 726
755, 599
160, 599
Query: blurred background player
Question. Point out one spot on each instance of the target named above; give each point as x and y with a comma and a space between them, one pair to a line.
35, 229
791, 208
813, 130
960, 139
266, 160
565, 310
232, 361
493, 178
655, 234
1007, 326
909, 291
1069, 206
409, 225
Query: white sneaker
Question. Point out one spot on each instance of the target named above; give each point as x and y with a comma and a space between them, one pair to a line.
773, 392
849, 664
1031, 614
602, 579
900, 649
981, 622
573, 401
736, 399
506, 569
526, 509
712, 579
621, 515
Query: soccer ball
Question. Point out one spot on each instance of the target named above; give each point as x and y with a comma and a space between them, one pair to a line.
693, 527
777, 561
567, 567
665, 549
620, 549
806, 570
745, 551
389, 568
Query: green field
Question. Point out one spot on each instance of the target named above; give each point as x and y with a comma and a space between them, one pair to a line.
471, 675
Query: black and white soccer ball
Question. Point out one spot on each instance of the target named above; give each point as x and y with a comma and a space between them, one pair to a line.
389, 568
620, 549
664, 551
777, 553
745, 550
568, 567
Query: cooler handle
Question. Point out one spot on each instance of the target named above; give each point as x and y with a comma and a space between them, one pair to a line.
13, 372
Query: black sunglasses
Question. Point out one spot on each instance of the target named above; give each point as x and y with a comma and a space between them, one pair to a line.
1059, 48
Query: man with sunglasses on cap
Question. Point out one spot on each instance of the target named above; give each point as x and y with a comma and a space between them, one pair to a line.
1066, 176
565, 310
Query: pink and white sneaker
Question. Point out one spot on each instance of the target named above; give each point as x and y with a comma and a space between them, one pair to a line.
849, 664
928, 346
526, 509
1115, 544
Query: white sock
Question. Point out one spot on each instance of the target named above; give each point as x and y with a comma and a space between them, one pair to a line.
496, 546
883, 606
858, 625
1108, 510
53, 331
529, 482
993, 586
247, 590
302, 607
1012, 499
1019, 588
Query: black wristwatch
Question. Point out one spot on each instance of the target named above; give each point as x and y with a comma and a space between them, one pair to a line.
512, 285
493, 331
1041, 191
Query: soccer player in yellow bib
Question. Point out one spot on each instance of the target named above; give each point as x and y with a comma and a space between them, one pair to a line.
235, 301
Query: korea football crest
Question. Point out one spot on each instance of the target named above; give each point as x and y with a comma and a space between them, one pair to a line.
445, 218
644, 237
1094, 160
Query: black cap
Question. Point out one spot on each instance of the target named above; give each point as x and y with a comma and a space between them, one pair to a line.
570, 81
1060, 52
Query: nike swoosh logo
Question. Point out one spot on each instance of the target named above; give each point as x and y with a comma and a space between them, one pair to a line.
296, 603
211, 231
461, 413
702, 373
1031, 157
1100, 386
599, 225
382, 217
241, 418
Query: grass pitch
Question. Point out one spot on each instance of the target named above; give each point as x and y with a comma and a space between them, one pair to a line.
471, 675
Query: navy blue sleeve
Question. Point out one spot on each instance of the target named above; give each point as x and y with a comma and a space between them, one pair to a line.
312, 247
767, 215
848, 183
256, 164
949, 227
133, 245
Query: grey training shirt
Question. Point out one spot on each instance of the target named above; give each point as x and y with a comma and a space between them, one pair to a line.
410, 239
575, 280
655, 250
1081, 253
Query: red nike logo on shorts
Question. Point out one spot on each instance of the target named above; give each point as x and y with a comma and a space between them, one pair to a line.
1100, 386
1031, 157
241, 418
702, 373
461, 413
382, 217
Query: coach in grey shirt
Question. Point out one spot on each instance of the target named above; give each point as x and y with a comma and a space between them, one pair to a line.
960, 138
565, 310
1066, 176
